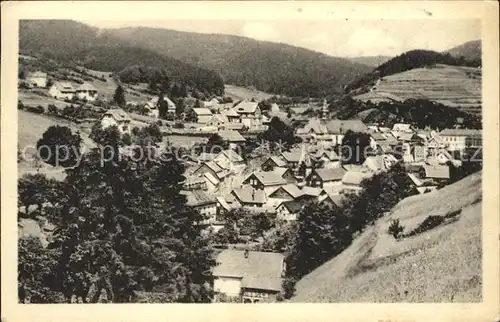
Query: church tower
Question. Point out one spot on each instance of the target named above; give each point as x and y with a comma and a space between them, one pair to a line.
324, 110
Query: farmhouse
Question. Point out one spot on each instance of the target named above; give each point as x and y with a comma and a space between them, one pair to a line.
233, 138
248, 275
212, 173
118, 118
325, 177
229, 160
37, 79
203, 114
249, 197
204, 203
249, 113
289, 210
352, 180
86, 92
273, 162
265, 180
62, 90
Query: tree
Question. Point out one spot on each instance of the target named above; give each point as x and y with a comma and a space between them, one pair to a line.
58, 146
36, 189
191, 116
355, 147
119, 96
279, 133
152, 86
162, 105
52, 109
215, 144
227, 235
179, 107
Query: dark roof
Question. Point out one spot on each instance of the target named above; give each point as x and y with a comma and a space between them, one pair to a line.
277, 160
294, 206
291, 189
261, 270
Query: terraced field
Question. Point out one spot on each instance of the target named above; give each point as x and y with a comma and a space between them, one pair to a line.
453, 86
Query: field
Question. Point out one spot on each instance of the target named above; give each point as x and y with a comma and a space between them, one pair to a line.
452, 86
442, 264
242, 93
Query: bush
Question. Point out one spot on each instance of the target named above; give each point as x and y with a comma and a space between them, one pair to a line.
20, 105
126, 139
36, 109
429, 223
52, 109
395, 229
288, 286
178, 125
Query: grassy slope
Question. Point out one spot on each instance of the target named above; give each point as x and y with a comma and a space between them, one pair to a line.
238, 93
470, 50
440, 265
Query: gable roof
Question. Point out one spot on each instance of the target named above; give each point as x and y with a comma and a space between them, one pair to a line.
277, 160
212, 166
202, 111
375, 163
281, 171
329, 154
401, 127
437, 171
117, 114
231, 136
247, 194
230, 113
246, 107
335, 199
268, 178
198, 198
327, 174
294, 206
231, 155
261, 270
86, 87
64, 87
218, 117
291, 189
355, 178
377, 136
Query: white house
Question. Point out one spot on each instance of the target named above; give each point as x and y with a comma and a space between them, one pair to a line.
248, 275
37, 79
229, 160
87, 92
62, 90
204, 203
249, 113
460, 139
203, 115
116, 117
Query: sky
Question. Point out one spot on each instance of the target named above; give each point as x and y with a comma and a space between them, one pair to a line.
341, 38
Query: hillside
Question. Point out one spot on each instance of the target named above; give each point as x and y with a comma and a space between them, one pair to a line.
372, 61
78, 44
407, 61
452, 86
442, 264
470, 50
269, 67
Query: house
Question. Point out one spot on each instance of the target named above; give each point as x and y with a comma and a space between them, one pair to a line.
332, 200
330, 131
285, 173
231, 115
422, 186
217, 121
62, 90
460, 139
438, 173
289, 210
240, 127
212, 173
249, 113
402, 127
37, 79
202, 202
326, 158
265, 180
203, 115
325, 177
153, 107
273, 162
352, 180
87, 92
248, 276
229, 160
249, 197
233, 138
379, 162
116, 117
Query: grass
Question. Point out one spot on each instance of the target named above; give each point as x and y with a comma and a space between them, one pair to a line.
242, 93
440, 265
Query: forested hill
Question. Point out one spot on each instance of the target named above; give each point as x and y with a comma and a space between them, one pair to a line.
406, 61
76, 43
269, 67
470, 50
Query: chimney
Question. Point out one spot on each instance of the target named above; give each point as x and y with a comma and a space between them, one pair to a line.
246, 253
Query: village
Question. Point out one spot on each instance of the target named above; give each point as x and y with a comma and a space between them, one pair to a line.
279, 182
